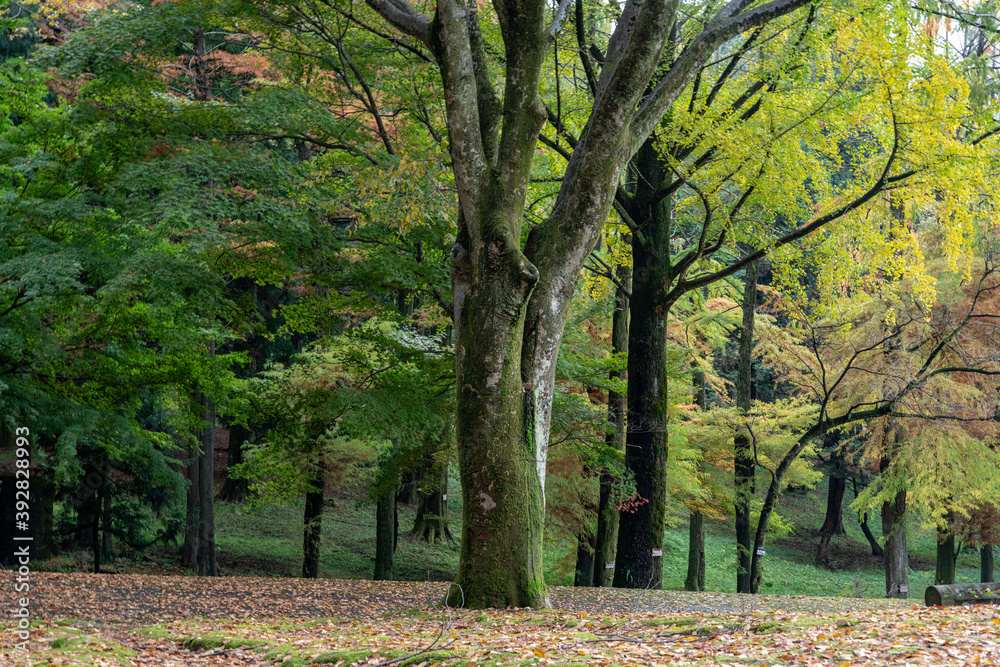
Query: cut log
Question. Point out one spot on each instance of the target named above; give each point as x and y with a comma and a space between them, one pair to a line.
946, 595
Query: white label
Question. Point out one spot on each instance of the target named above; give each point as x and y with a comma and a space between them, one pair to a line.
657, 552
761, 552
904, 588
444, 497
609, 566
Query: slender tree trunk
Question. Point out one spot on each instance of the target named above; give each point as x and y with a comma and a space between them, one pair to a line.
235, 489
639, 563
872, 542
743, 449
695, 580
43, 495
606, 543
192, 529
585, 545
897, 575
834, 515
207, 566
986, 563
944, 570
312, 520
385, 536
95, 528
431, 523
107, 530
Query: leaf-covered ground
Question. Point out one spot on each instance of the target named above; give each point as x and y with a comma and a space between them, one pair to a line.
153, 620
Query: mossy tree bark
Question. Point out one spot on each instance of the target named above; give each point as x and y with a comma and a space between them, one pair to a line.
986, 563
511, 304
606, 545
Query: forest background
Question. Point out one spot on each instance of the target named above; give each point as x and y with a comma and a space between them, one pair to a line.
607, 267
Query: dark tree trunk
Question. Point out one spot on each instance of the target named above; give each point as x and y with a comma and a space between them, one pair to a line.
235, 489
897, 573
312, 519
695, 580
107, 528
606, 542
431, 523
385, 536
834, 515
585, 545
944, 570
743, 449
192, 529
986, 563
639, 563
43, 495
207, 566
95, 529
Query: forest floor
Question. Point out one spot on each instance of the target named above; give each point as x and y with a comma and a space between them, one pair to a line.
81, 619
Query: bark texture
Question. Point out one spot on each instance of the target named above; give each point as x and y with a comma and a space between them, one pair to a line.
431, 523
986, 563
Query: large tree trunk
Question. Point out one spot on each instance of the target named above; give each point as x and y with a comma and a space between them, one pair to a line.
584, 560
986, 563
207, 566
639, 563
834, 515
235, 489
385, 528
743, 449
506, 370
607, 514
312, 518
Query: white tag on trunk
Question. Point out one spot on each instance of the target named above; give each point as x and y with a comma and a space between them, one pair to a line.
657, 552
444, 497
761, 552
904, 588
609, 566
